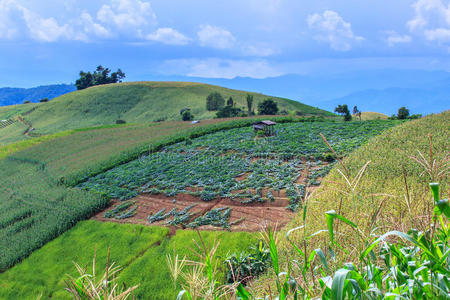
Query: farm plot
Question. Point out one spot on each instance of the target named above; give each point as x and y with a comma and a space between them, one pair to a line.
229, 179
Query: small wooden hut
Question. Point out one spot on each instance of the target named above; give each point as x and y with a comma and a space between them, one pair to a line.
266, 126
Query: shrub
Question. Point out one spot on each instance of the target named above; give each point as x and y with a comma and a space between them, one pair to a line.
160, 119
26, 102
120, 122
268, 107
43, 100
187, 116
228, 111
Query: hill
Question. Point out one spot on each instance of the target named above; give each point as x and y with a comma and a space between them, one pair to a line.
11, 96
137, 102
370, 115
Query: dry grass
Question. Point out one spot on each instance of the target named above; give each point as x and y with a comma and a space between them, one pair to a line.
370, 115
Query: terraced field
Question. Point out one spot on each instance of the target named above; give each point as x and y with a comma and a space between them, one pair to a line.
230, 179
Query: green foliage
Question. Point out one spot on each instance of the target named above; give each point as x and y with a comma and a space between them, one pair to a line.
268, 107
99, 76
414, 267
343, 110
249, 100
120, 122
187, 115
44, 271
246, 266
213, 168
50, 208
118, 210
214, 101
228, 112
230, 101
43, 100
403, 113
217, 217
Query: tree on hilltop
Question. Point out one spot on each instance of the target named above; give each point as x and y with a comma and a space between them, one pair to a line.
356, 112
403, 113
343, 110
100, 76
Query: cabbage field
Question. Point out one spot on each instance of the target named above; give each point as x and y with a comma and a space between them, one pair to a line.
237, 165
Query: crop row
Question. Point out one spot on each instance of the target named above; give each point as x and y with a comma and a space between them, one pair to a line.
237, 165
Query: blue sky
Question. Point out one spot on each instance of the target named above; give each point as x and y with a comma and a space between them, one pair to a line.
43, 42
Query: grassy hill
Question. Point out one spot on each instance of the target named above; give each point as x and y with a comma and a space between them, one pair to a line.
370, 115
136, 102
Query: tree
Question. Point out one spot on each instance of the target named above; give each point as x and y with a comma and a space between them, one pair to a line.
230, 101
99, 76
187, 116
343, 110
403, 113
268, 107
249, 104
228, 112
43, 100
214, 101
356, 112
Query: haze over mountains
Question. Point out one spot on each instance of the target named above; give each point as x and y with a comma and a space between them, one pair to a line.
384, 91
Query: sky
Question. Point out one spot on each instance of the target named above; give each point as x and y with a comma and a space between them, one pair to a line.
45, 42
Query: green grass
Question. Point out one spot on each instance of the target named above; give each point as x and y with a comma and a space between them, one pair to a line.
8, 112
137, 102
140, 250
45, 270
152, 273
12, 133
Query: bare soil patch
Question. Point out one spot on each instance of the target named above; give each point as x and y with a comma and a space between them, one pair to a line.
253, 215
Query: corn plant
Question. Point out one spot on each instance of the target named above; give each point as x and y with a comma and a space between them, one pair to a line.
90, 286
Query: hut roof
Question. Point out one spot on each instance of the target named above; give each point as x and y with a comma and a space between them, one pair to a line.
266, 122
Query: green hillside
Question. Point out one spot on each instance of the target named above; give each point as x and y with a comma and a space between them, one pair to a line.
137, 102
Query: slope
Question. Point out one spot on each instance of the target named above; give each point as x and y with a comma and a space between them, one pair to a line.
138, 102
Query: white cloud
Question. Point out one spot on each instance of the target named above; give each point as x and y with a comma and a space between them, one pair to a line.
168, 36
15, 18
90, 27
220, 68
10, 11
132, 16
134, 19
215, 37
258, 50
432, 20
394, 38
331, 28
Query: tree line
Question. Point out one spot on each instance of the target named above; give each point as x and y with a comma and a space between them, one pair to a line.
226, 109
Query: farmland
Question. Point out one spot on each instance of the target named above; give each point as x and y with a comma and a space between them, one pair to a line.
36, 206
231, 170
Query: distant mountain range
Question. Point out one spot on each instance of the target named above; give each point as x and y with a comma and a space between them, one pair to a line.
384, 91
10, 96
